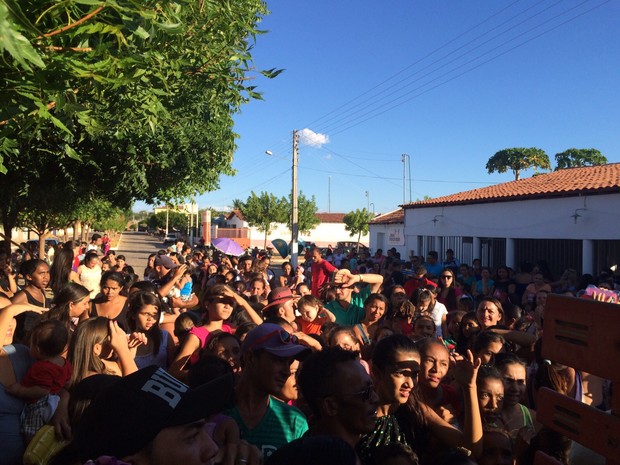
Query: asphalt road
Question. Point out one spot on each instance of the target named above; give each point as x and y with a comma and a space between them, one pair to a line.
136, 247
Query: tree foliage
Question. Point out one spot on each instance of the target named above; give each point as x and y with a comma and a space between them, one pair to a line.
121, 100
573, 158
262, 211
356, 222
177, 221
306, 215
517, 159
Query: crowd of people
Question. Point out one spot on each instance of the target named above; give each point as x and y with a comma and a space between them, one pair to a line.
347, 359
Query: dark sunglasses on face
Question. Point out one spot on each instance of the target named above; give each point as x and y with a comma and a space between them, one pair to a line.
225, 300
364, 395
446, 276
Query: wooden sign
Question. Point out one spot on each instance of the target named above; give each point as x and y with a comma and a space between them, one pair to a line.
583, 334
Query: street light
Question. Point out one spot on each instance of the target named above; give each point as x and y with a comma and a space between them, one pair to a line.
373, 208
367, 201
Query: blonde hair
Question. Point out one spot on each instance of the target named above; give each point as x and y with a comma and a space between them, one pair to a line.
82, 349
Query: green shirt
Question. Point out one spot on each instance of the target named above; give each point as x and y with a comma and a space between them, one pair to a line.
280, 425
347, 317
358, 298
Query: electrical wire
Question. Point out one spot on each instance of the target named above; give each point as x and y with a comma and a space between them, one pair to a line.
363, 118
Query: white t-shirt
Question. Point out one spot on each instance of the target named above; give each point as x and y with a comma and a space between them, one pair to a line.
437, 314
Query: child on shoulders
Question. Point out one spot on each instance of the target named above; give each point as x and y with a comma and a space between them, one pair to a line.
313, 315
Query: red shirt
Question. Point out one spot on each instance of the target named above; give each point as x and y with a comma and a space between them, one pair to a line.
321, 273
47, 375
311, 327
413, 284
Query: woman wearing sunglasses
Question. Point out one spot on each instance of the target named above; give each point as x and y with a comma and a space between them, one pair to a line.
403, 418
448, 294
219, 302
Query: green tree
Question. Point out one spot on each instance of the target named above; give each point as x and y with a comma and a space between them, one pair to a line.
306, 214
176, 221
517, 159
262, 211
134, 100
573, 158
356, 222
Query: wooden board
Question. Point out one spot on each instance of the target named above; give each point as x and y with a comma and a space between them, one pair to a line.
593, 428
583, 334
543, 459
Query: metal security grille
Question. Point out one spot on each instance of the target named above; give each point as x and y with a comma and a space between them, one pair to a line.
558, 254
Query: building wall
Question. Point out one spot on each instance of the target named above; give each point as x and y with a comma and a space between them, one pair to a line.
386, 236
540, 219
236, 222
577, 230
323, 235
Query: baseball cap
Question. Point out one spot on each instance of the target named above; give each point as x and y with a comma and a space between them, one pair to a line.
277, 296
165, 261
127, 415
275, 340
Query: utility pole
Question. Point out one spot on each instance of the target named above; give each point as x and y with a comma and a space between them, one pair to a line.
406, 158
404, 178
295, 212
410, 198
167, 218
329, 194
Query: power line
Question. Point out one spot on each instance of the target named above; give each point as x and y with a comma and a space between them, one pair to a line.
396, 179
361, 119
414, 63
385, 93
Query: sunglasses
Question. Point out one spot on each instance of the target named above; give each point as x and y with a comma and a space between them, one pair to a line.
285, 338
364, 395
225, 300
446, 276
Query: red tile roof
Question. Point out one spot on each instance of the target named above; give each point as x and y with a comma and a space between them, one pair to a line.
330, 217
562, 183
236, 213
396, 216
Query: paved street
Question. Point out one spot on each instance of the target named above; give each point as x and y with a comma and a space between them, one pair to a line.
137, 246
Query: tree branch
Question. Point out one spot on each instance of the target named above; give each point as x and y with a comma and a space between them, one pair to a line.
54, 48
77, 23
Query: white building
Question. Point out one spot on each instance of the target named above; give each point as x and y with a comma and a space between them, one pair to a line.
569, 218
388, 231
330, 231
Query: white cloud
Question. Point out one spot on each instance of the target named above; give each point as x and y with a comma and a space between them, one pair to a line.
313, 139
328, 157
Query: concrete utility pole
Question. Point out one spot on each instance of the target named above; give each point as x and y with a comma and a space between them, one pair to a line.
167, 208
404, 179
406, 158
329, 194
295, 212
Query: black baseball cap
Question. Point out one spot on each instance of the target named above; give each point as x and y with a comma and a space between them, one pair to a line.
128, 414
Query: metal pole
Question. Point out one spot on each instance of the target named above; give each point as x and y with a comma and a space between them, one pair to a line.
295, 206
410, 198
329, 194
166, 219
367, 201
404, 180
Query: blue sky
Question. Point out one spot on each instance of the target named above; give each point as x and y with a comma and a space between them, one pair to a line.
449, 83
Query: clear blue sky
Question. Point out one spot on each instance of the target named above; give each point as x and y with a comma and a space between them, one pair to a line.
449, 83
